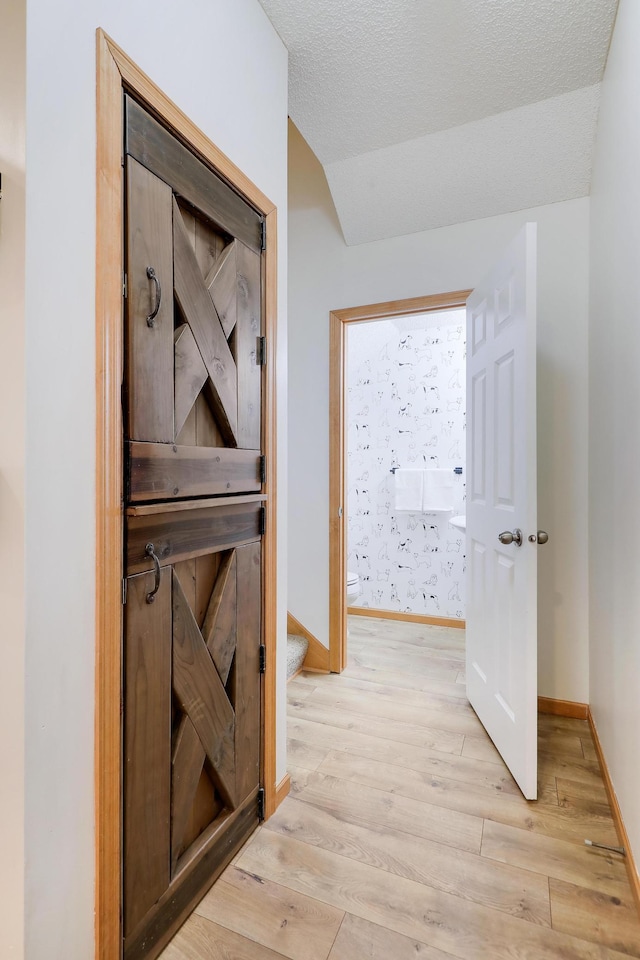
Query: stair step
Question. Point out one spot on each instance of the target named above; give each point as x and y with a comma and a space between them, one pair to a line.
296, 652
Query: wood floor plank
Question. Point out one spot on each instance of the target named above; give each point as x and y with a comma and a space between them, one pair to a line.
461, 720
519, 893
359, 939
440, 689
349, 801
299, 689
387, 683
297, 926
300, 753
439, 667
592, 808
589, 750
585, 791
481, 748
299, 779
553, 724
595, 916
512, 810
388, 693
199, 939
560, 744
441, 920
552, 765
486, 778
442, 741
559, 859
432, 649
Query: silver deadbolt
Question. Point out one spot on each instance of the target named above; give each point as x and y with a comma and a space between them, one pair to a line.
541, 537
506, 537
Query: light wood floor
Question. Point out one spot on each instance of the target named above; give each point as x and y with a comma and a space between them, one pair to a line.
405, 836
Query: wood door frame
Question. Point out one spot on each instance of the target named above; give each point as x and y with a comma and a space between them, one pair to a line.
339, 320
116, 72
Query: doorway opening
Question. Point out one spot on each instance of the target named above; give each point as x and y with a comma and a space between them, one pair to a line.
382, 597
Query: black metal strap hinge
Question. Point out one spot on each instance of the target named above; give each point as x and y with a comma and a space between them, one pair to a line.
263, 469
124, 592
263, 235
263, 521
261, 804
262, 351
263, 658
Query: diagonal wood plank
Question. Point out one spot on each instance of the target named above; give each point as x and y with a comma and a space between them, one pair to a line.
199, 312
221, 284
219, 628
201, 694
190, 374
188, 753
186, 768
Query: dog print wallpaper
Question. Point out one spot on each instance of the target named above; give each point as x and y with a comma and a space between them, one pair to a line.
406, 408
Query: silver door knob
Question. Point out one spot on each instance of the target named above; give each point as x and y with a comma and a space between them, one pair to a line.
507, 537
540, 537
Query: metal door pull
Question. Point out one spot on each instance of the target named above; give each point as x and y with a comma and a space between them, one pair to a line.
540, 537
507, 537
151, 319
150, 552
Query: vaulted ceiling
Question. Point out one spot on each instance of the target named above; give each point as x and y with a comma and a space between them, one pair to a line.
430, 112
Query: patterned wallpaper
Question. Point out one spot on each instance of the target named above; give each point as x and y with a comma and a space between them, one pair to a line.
405, 408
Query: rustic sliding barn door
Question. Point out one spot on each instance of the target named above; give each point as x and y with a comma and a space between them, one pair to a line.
194, 521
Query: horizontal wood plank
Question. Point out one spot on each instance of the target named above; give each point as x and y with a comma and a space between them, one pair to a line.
166, 471
190, 533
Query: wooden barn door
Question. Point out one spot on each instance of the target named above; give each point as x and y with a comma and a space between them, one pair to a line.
194, 519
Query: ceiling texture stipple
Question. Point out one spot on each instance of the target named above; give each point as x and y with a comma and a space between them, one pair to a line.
430, 112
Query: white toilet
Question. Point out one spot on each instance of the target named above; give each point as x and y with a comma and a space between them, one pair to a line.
353, 588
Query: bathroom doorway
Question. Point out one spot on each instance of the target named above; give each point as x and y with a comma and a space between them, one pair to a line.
389, 408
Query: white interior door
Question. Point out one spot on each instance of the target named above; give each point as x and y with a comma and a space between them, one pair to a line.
502, 642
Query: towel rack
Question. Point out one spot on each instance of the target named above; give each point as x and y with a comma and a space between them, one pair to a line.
457, 470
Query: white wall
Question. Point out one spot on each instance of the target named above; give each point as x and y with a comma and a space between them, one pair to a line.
325, 274
224, 65
614, 420
12, 418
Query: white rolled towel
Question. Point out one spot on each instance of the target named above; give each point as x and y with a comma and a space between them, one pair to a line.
409, 490
437, 491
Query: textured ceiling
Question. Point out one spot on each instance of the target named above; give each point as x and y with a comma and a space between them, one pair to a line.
381, 86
